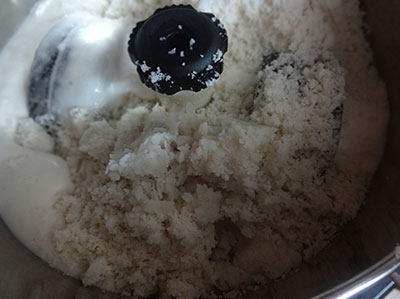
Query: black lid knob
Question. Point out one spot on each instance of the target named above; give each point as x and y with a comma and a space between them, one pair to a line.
178, 48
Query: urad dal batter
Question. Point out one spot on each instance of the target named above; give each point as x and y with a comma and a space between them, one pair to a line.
139, 198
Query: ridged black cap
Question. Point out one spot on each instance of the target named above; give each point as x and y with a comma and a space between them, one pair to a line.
178, 48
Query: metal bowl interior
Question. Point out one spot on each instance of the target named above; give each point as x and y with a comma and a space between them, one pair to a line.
370, 237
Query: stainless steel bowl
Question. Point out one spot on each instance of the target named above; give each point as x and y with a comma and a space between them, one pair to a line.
369, 238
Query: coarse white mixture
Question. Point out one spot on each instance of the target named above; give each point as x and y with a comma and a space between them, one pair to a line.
182, 201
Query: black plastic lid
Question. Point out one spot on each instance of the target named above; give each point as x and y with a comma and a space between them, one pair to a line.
178, 48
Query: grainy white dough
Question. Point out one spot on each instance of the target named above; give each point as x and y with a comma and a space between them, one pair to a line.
181, 201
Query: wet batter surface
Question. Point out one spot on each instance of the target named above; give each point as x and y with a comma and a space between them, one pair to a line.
181, 201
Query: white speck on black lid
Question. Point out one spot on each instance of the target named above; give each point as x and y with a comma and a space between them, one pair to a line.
209, 67
201, 55
183, 63
214, 19
144, 67
180, 27
182, 54
172, 52
191, 43
158, 87
158, 76
210, 82
192, 74
217, 57
162, 38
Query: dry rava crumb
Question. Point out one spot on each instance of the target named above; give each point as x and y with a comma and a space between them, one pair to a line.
181, 202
